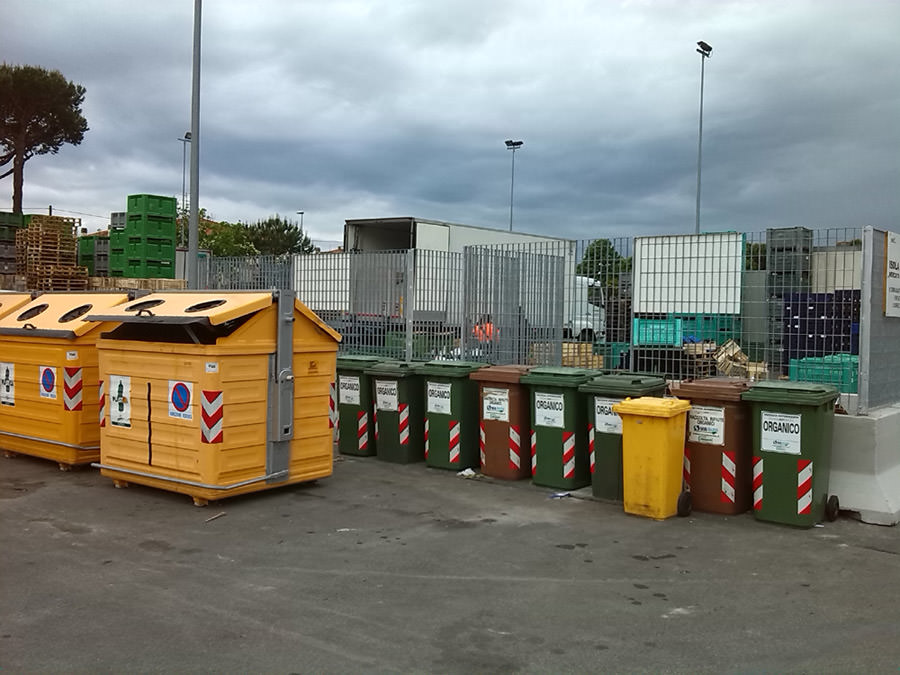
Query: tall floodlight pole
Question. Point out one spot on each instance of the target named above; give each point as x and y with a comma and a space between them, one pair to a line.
193, 280
704, 50
512, 145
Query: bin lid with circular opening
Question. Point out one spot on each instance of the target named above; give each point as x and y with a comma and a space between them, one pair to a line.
62, 315
624, 384
558, 377
794, 393
652, 406
715, 388
449, 368
510, 374
396, 369
212, 308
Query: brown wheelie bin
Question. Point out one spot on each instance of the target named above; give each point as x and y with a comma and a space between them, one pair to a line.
505, 421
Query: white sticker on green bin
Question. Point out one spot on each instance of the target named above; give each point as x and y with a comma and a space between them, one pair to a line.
549, 410
780, 433
438, 397
605, 420
386, 395
706, 425
7, 383
348, 389
495, 404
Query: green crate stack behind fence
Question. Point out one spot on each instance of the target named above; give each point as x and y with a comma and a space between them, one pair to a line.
840, 370
9, 225
145, 248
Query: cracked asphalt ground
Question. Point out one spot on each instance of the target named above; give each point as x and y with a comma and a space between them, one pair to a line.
387, 568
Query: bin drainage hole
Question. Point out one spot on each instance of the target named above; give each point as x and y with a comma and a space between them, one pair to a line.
75, 313
32, 312
144, 304
203, 306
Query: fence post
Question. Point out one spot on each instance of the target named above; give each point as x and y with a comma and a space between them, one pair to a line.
409, 300
865, 320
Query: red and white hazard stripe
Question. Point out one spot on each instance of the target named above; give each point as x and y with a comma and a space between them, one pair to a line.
728, 477
101, 395
515, 448
454, 441
403, 425
804, 486
481, 442
568, 456
591, 445
332, 407
686, 468
211, 416
72, 386
427, 444
362, 430
533, 452
757, 483
375, 422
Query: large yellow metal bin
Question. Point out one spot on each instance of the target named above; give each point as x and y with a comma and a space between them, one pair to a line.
48, 377
216, 394
11, 301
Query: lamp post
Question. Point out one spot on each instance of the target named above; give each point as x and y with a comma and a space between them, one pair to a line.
184, 141
512, 145
300, 213
704, 50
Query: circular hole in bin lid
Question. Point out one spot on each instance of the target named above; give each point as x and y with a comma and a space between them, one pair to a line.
144, 304
76, 312
32, 312
203, 306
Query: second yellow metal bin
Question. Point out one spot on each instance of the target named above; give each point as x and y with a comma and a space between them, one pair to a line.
216, 394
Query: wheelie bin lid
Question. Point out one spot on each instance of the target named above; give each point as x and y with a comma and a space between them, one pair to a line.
652, 406
557, 377
716, 388
449, 368
356, 361
395, 369
60, 315
624, 384
510, 374
796, 393
10, 301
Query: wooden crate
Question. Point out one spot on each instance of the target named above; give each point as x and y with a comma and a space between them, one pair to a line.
129, 284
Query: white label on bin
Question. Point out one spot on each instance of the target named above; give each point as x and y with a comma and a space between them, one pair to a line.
438, 398
212, 366
780, 433
348, 389
120, 401
72, 356
549, 410
180, 395
706, 424
7, 383
495, 404
386, 395
605, 419
47, 382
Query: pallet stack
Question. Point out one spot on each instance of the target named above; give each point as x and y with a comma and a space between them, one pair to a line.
46, 254
145, 247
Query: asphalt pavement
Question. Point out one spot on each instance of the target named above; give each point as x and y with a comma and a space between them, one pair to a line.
391, 568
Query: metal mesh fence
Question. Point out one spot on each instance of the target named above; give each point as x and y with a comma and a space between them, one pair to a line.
250, 272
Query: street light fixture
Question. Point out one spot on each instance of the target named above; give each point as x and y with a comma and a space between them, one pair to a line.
300, 213
512, 145
184, 141
704, 50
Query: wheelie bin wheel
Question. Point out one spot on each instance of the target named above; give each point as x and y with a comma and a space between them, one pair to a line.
832, 507
685, 504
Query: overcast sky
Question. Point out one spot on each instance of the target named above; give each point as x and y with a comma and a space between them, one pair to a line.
369, 108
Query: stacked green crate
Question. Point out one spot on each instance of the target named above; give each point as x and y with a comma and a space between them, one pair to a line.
145, 248
840, 370
86, 253
9, 225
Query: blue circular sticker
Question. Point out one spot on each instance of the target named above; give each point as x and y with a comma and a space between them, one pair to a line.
181, 397
48, 379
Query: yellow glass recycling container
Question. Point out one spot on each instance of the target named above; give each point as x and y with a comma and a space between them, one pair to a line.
215, 394
653, 456
48, 377
11, 301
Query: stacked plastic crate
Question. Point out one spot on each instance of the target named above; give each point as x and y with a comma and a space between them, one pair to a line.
788, 264
93, 253
145, 247
9, 225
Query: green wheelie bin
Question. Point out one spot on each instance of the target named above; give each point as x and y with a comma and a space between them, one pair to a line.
451, 414
355, 405
792, 430
605, 426
559, 457
397, 393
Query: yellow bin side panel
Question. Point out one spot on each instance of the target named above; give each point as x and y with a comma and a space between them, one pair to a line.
45, 420
312, 450
652, 460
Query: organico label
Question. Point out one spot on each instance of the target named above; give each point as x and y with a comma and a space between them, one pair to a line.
706, 424
438, 397
495, 404
780, 433
605, 419
7, 384
386, 395
549, 410
348, 389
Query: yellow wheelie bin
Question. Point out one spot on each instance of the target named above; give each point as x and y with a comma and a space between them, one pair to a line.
214, 394
48, 377
653, 456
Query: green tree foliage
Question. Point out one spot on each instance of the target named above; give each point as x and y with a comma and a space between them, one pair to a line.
278, 236
601, 261
226, 239
40, 110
